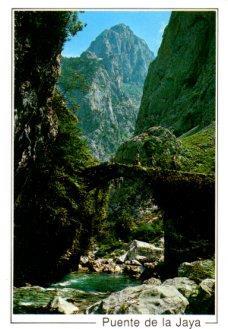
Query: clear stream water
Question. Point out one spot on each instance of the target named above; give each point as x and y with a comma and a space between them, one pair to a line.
84, 289
96, 282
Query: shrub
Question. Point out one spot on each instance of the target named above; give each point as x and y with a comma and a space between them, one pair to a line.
148, 232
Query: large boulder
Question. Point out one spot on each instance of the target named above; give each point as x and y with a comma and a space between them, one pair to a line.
39, 300
104, 265
185, 286
62, 306
139, 250
143, 299
153, 282
204, 301
134, 271
121, 259
198, 270
32, 299
208, 286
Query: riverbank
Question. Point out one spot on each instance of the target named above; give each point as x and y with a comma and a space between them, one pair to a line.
136, 288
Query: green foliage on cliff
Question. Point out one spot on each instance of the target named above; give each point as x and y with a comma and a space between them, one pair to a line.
70, 145
54, 216
179, 91
198, 151
76, 75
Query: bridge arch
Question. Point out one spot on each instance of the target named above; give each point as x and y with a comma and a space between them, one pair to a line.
188, 203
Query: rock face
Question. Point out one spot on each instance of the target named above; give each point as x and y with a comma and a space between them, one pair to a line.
114, 68
179, 90
49, 229
144, 299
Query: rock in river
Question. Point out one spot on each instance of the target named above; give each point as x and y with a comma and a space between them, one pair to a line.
140, 249
143, 299
62, 306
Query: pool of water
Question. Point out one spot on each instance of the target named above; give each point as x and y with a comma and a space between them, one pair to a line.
96, 282
84, 289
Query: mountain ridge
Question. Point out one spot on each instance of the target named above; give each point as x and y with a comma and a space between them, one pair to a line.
114, 67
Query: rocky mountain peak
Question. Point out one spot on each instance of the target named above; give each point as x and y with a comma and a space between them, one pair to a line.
115, 66
120, 28
124, 55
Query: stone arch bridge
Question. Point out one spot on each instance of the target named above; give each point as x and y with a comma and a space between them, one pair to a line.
187, 200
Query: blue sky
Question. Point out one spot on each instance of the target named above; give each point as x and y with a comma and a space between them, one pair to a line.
148, 25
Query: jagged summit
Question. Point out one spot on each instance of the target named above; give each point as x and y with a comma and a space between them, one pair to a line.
115, 66
124, 55
121, 27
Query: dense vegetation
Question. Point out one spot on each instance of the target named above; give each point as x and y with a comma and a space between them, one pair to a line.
198, 150
52, 214
179, 91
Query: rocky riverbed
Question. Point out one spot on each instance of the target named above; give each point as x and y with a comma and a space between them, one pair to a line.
118, 286
139, 261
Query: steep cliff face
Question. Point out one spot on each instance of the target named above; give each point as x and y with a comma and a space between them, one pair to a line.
52, 213
179, 91
179, 94
114, 68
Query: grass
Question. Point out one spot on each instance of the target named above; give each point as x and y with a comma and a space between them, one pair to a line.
198, 151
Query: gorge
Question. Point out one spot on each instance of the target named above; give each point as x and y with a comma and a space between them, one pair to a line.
64, 196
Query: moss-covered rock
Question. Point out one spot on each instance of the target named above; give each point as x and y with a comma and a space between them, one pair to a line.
39, 300
185, 286
198, 270
204, 302
156, 148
